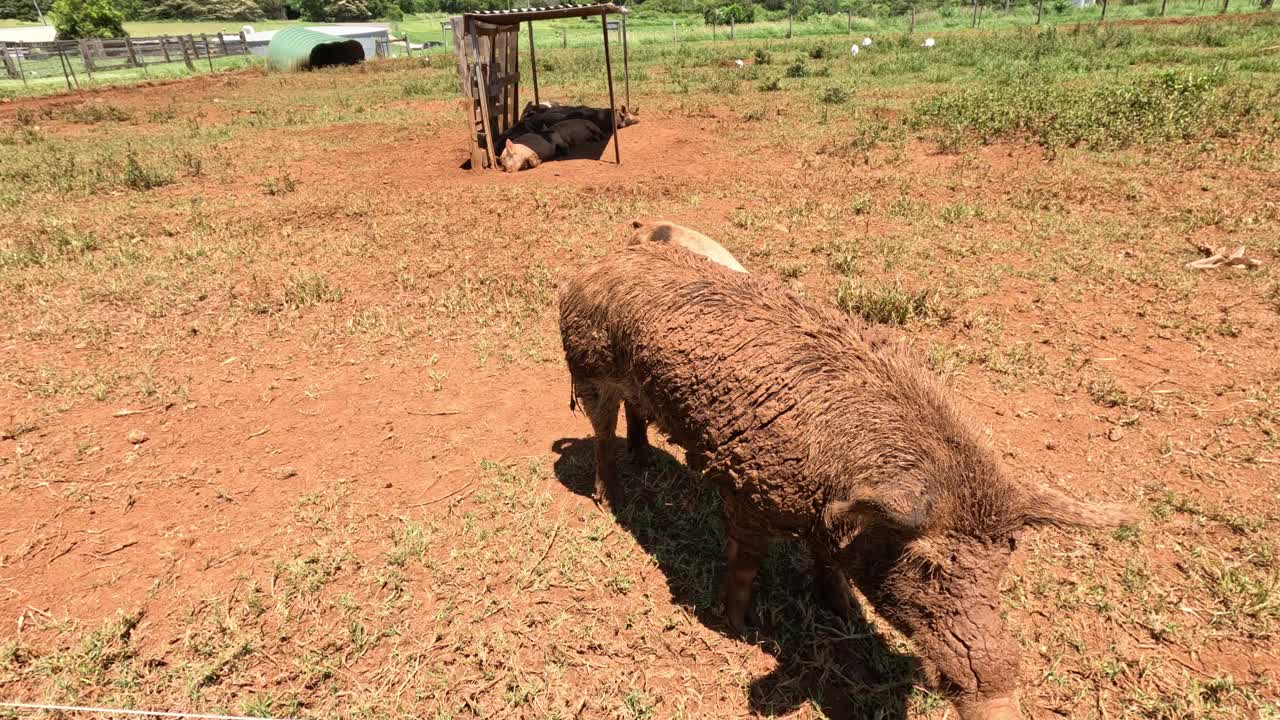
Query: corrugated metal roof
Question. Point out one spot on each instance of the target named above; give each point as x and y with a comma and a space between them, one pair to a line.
519, 15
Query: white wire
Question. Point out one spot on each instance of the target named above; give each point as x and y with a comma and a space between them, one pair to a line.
147, 713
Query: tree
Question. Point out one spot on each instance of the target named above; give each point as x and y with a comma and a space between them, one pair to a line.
347, 10
18, 10
75, 19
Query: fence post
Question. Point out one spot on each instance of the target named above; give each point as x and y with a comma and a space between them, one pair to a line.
86, 58
244, 43
10, 69
1104, 10
674, 37
133, 56
223, 40
186, 54
164, 47
913, 17
1039, 10
733, 26
204, 37
564, 38
975, 14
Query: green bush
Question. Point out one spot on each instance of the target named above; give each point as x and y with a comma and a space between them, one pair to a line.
743, 12
835, 96
762, 56
75, 19
797, 69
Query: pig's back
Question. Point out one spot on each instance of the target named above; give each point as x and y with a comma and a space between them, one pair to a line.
733, 367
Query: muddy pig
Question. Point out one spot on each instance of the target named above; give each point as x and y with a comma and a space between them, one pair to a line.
814, 428
661, 231
526, 151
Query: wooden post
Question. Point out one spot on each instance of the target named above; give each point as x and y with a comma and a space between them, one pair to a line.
713, 27
479, 70
244, 43
133, 55
533, 64
1163, 3
67, 72
733, 26
164, 47
975, 13
564, 39
186, 52
789, 18
674, 37
848, 26
626, 65
1104, 10
204, 37
913, 17
222, 39
86, 56
1039, 10
9, 68
613, 104
1225, 3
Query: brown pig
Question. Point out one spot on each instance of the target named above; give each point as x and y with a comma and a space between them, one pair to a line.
813, 427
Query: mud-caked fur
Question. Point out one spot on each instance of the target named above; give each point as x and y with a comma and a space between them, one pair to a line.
813, 427
661, 231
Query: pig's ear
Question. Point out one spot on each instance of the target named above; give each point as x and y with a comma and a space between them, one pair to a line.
1044, 506
904, 506
636, 224
509, 143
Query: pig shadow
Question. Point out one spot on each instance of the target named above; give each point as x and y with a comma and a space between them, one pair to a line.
848, 670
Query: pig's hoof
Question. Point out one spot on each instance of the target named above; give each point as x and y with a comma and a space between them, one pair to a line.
740, 623
641, 456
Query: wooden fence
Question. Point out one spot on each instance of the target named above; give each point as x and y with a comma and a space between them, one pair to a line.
24, 60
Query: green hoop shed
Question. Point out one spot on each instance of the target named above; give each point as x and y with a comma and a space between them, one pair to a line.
298, 48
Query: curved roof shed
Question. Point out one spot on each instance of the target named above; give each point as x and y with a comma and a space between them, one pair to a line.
296, 48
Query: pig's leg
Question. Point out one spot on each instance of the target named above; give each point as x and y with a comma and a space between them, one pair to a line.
602, 409
830, 583
744, 558
637, 433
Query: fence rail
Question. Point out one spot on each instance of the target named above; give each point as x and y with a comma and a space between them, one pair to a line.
26, 60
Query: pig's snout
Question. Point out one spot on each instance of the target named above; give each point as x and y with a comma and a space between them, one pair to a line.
1005, 708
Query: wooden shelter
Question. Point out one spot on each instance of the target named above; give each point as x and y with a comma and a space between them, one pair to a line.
487, 46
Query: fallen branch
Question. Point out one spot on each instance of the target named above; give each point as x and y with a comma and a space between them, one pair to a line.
437, 412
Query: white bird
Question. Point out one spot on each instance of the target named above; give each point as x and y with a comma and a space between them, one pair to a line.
854, 50
739, 63
928, 42
866, 42
247, 29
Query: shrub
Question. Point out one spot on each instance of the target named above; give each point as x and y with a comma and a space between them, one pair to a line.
769, 85
75, 19
835, 96
736, 12
797, 69
762, 56
817, 53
